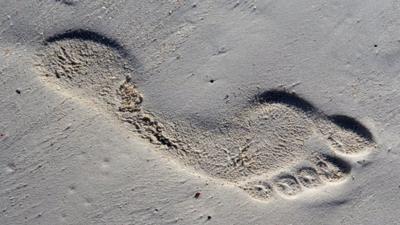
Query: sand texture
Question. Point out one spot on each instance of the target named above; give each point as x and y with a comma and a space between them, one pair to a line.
199, 112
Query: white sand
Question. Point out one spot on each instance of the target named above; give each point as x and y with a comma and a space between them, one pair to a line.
200, 148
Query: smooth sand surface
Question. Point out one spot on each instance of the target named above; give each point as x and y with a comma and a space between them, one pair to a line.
199, 112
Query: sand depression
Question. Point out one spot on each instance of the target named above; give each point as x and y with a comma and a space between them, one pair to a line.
281, 144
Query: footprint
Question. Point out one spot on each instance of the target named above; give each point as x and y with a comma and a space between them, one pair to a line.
308, 177
287, 184
321, 169
346, 134
331, 168
341, 134
268, 136
261, 190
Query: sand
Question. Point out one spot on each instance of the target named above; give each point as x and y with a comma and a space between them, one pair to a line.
209, 112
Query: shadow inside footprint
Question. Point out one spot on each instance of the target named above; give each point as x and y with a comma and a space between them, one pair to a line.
352, 125
346, 134
87, 35
332, 168
68, 2
283, 97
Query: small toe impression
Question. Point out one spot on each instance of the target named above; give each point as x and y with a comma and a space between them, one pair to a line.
287, 185
308, 177
259, 189
331, 168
